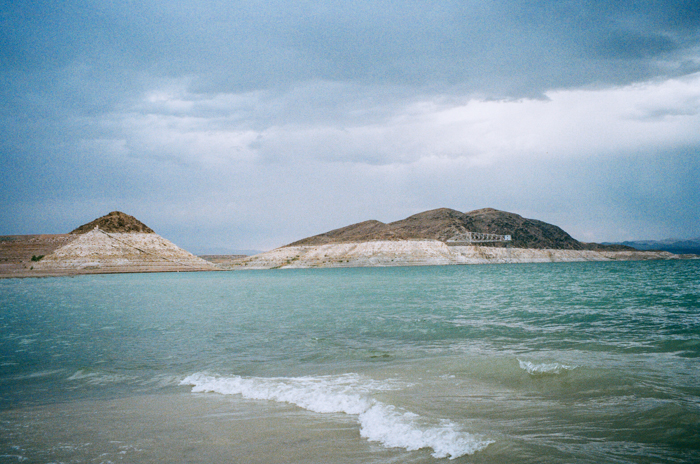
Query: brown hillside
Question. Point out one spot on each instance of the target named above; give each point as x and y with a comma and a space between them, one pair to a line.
444, 223
19, 252
115, 222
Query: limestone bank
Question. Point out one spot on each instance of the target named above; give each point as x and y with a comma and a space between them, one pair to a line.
424, 253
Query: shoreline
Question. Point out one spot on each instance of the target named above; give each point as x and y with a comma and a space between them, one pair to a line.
340, 255
94, 252
428, 253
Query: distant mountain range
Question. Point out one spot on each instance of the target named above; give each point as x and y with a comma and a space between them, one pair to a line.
691, 246
444, 223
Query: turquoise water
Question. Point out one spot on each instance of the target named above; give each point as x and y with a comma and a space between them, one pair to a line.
567, 362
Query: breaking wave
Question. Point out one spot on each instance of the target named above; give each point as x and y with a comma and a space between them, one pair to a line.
545, 368
350, 394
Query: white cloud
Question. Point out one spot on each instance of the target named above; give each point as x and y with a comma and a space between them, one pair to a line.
268, 175
219, 128
569, 123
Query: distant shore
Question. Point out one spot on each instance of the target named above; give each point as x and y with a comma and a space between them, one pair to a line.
21, 256
426, 253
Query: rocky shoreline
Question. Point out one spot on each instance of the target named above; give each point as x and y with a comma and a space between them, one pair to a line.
425, 253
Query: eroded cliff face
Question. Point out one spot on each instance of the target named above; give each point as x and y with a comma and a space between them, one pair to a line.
422, 253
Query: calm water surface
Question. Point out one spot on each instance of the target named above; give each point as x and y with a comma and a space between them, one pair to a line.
567, 362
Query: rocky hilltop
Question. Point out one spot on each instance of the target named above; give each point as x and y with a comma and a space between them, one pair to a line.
115, 222
444, 223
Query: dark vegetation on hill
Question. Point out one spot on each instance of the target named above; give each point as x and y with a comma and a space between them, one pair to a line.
444, 223
115, 222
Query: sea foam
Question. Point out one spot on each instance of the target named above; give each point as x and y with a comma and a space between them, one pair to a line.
544, 368
350, 394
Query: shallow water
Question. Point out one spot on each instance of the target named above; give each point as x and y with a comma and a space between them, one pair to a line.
565, 362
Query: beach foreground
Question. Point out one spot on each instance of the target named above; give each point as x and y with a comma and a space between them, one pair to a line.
182, 427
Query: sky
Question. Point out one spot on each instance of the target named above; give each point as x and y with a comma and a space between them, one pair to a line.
229, 126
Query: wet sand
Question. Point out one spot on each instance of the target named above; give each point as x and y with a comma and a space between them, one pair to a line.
186, 427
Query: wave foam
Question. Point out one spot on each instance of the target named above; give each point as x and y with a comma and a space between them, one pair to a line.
100, 378
350, 394
545, 368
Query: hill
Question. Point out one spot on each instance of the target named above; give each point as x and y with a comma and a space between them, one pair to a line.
115, 222
422, 240
690, 246
444, 223
114, 243
20, 252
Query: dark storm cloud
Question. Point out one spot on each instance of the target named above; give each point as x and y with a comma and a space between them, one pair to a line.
238, 46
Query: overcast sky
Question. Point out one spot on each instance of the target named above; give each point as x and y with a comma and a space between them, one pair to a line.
228, 125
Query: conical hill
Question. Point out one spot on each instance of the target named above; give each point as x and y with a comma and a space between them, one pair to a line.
119, 243
115, 222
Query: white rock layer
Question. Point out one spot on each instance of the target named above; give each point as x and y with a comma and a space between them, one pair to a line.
424, 252
98, 251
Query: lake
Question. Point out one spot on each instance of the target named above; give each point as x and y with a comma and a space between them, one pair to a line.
529, 363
